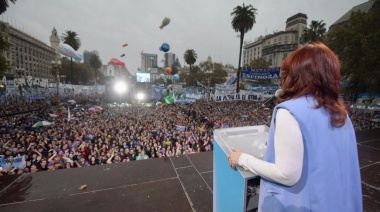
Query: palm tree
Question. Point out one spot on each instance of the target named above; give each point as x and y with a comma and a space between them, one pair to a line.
242, 21
190, 57
71, 38
315, 33
4, 4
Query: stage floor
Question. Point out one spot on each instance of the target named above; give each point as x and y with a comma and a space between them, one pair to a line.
369, 160
167, 184
182, 183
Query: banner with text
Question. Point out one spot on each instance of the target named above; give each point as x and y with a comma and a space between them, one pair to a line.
242, 96
260, 73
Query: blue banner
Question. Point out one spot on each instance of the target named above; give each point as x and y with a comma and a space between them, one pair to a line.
260, 73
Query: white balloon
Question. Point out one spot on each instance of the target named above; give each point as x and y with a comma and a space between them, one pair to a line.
67, 50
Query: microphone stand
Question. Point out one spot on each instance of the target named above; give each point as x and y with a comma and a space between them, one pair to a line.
276, 94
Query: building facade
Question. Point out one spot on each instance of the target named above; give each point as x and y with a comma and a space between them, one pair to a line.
27, 56
275, 47
148, 61
54, 43
115, 71
169, 59
155, 74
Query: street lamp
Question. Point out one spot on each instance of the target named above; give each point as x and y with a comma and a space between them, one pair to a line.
56, 66
208, 74
19, 73
63, 77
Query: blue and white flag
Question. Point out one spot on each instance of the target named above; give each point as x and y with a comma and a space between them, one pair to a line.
181, 128
68, 114
18, 162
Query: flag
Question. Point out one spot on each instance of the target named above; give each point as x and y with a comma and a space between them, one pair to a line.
21, 164
202, 128
200, 84
68, 114
180, 128
168, 99
9, 164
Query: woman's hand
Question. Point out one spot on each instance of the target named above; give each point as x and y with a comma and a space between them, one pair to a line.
233, 158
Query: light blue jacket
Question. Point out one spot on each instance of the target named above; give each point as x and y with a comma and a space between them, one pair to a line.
330, 179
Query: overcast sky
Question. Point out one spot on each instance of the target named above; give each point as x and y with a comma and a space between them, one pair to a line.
202, 25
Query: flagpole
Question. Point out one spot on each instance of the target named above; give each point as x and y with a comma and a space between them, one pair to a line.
68, 114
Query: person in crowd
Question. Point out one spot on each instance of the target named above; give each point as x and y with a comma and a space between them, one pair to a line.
142, 155
311, 149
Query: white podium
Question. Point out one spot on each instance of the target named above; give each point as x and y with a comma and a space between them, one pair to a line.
232, 188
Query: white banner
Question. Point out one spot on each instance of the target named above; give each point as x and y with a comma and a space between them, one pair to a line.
236, 97
225, 87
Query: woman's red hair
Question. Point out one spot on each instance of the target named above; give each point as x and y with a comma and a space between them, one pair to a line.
314, 70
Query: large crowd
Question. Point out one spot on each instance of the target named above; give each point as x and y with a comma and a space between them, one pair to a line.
115, 133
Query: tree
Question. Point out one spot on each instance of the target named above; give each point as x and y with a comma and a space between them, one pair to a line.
71, 38
174, 69
4, 5
219, 74
258, 63
243, 19
214, 72
4, 46
190, 57
358, 48
95, 63
192, 78
83, 73
315, 33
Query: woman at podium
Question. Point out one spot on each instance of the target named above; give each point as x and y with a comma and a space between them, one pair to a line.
311, 160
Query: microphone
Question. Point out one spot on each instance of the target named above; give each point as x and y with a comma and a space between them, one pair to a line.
276, 94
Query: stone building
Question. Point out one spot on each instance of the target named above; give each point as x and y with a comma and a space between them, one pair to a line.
275, 47
27, 56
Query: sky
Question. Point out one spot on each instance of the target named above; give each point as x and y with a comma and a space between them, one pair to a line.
201, 25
